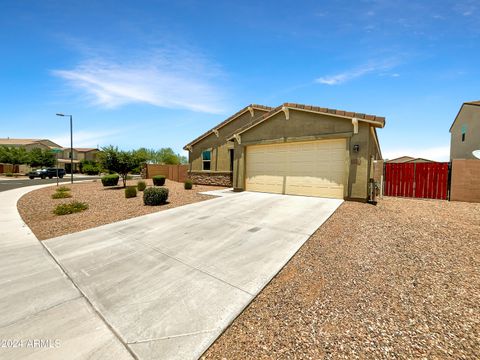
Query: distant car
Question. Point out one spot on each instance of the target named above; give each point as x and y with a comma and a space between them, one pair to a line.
44, 173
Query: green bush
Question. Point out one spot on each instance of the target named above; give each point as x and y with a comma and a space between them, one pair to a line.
70, 208
63, 188
155, 196
110, 180
9, 174
188, 184
130, 192
61, 195
158, 180
90, 169
141, 185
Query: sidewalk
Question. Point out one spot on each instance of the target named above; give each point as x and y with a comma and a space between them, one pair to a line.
44, 316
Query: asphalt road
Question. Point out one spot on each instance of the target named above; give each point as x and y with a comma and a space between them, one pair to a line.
22, 182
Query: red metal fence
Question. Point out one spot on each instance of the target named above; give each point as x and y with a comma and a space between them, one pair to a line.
420, 180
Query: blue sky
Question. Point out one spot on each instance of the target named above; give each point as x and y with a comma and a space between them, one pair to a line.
159, 73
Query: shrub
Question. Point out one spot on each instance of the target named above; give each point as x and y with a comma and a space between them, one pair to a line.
188, 184
158, 180
9, 174
130, 191
90, 169
61, 195
155, 196
70, 208
110, 180
141, 185
63, 188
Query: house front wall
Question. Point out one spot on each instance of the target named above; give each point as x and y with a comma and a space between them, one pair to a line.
220, 172
303, 127
468, 122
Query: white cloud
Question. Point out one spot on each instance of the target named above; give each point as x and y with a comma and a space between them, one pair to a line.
438, 153
83, 138
371, 67
176, 79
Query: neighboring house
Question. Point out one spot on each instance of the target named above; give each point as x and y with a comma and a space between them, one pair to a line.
465, 131
79, 154
211, 154
408, 159
303, 150
29, 144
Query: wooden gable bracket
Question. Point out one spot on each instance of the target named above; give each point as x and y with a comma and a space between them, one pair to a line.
189, 148
252, 113
215, 131
355, 125
287, 112
238, 138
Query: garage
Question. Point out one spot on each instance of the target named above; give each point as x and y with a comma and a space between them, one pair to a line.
311, 168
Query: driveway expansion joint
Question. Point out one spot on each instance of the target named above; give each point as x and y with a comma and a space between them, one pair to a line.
198, 269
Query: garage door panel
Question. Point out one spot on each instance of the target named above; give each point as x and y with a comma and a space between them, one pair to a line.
306, 168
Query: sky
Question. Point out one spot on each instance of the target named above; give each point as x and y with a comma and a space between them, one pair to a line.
159, 73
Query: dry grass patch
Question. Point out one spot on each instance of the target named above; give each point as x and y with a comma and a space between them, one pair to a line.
105, 205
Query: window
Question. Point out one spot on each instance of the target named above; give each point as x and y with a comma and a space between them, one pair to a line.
464, 131
463, 137
206, 159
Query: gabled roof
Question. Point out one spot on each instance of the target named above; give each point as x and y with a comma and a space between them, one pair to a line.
20, 142
228, 120
474, 103
401, 159
315, 109
81, 149
407, 159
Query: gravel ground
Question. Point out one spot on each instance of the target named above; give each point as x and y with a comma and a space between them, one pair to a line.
396, 281
106, 205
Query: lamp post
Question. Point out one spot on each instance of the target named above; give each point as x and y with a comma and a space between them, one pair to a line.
71, 146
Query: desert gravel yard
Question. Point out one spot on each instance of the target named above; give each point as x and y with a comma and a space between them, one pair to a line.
106, 205
399, 280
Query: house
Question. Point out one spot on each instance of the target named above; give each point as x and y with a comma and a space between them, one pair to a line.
29, 144
465, 131
211, 154
79, 154
408, 159
295, 149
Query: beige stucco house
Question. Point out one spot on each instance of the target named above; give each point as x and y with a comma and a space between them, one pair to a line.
29, 144
293, 149
211, 154
79, 154
465, 131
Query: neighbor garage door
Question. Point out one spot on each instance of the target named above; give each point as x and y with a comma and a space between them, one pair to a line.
314, 168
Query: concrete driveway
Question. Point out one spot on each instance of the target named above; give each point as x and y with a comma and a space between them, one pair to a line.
169, 283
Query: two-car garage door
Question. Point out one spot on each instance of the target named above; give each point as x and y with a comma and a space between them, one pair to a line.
314, 168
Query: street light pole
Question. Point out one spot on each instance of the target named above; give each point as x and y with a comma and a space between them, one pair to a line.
71, 145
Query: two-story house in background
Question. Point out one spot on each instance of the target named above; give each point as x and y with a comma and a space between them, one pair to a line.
465, 131
79, 154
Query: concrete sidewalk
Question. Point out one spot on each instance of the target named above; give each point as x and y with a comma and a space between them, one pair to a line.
43, 314
169, 283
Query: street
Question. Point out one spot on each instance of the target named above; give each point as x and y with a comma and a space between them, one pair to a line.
22, 182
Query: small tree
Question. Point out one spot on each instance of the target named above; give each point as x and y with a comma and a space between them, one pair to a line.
40, 157
121, 162
13, 155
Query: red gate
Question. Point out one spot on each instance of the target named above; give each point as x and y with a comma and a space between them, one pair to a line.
421, 180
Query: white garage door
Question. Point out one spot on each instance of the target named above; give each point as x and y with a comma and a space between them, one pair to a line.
314, 168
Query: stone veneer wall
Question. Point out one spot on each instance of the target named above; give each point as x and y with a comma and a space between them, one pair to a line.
211, 178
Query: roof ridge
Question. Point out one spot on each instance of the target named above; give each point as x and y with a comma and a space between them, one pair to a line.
227, 120
317, 109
